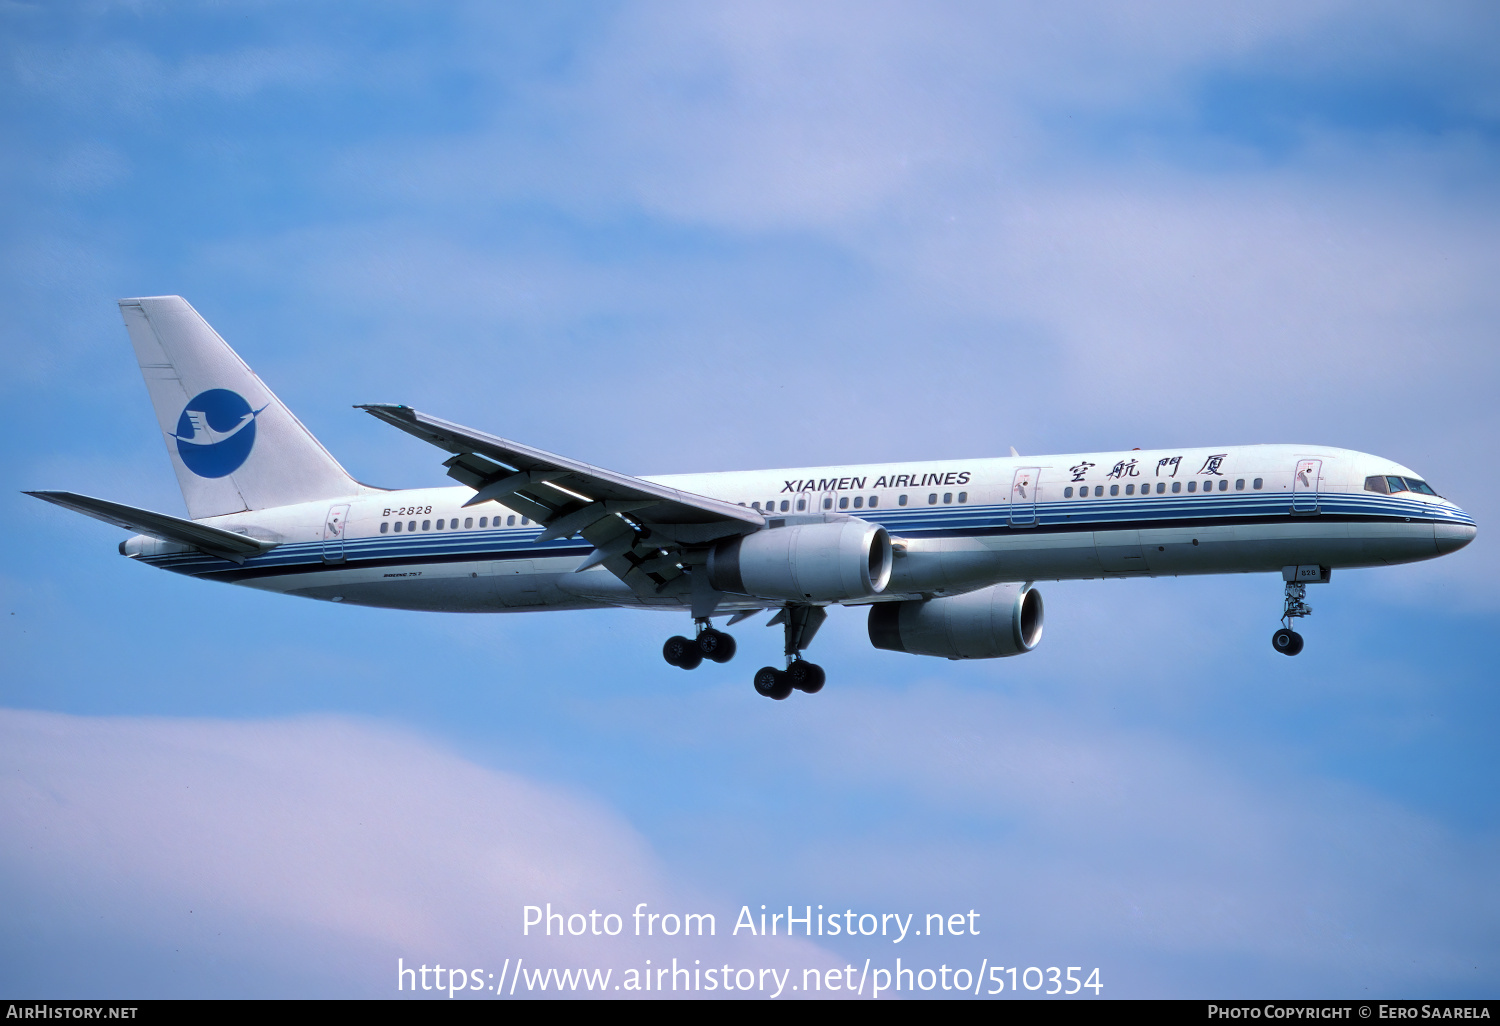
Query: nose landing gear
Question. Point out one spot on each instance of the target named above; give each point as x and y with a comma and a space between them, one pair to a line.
1287, 641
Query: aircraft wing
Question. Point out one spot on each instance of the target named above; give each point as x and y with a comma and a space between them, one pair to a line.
213, 540
638, 528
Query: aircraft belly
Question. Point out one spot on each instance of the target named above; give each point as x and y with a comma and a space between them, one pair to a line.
1258, 548
467, 587
1119, 552
931, 565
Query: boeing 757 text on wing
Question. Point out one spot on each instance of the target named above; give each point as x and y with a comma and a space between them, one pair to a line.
943, 554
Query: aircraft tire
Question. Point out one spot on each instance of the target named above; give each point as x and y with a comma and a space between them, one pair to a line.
681, 652
773, 683
716, 645
1287, 641
807, 677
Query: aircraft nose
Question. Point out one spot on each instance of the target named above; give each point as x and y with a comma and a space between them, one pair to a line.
1452, 537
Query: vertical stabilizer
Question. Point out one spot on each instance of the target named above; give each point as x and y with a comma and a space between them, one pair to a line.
233, 444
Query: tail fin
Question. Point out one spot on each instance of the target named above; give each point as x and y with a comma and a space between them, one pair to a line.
233, 444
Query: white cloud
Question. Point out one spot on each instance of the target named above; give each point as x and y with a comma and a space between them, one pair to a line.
321, 833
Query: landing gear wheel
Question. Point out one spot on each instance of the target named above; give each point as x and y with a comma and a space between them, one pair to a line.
1287, 641
772, 683
683, 652
716, 645
806, 677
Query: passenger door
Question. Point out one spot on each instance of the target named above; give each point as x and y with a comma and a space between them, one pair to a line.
1305, 486
333, 533
1025, 487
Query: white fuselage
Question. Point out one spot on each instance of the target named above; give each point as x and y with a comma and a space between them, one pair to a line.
958, 525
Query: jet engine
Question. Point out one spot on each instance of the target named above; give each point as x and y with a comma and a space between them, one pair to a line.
823, 562
1003, 620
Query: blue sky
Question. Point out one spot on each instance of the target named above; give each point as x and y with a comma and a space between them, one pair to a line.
685, 237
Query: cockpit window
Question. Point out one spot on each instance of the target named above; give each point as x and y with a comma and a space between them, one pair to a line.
1390, 484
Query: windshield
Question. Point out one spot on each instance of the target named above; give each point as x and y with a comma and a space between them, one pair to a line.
1390, 484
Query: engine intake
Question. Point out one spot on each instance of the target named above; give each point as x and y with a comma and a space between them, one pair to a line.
1003, 620
825, 562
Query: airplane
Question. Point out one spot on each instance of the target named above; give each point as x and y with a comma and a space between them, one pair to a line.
945, 554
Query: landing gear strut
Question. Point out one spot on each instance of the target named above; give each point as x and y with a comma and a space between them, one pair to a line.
1287, 641
800, 624
689, 653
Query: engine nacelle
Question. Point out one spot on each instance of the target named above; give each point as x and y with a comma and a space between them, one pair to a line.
1004, 620
824, 562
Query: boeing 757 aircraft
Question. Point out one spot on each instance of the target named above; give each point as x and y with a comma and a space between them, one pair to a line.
943, 553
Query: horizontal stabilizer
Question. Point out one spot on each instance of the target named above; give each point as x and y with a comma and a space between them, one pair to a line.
213, 540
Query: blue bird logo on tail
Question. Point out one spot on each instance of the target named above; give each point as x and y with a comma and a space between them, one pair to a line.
216, 432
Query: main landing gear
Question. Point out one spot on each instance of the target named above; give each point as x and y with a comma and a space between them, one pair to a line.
1287, 641
710, 644
800, 624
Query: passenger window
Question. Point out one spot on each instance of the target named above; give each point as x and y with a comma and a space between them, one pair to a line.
384, 527
874, 501
510, 521
485, 521
1130, 489
525, 521
1257, 483
1068, 492
1114, 489
1224, 485
801, 505
755, 505
947, 498
1098, 491
901, 500
932, 499
1192, 486
440, 524
398, 527
785, 505
1239, 484
859, 502
411, 525
828, 504
1161, 486
427, 525
1176, 486
468, 523
843, 502
963, 496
